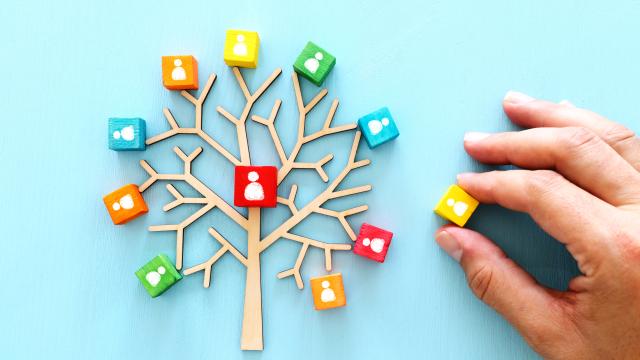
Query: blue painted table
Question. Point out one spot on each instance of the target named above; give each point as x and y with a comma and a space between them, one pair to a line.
68, 289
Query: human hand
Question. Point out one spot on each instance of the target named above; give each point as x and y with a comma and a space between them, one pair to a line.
581, 184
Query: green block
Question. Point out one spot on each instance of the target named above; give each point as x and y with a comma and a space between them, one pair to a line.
314, 63
158, 275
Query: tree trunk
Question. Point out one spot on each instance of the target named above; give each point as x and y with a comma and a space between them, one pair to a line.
252, 319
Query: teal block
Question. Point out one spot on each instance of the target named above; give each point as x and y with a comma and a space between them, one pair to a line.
127, 134
314, 63
158, 275
378, 127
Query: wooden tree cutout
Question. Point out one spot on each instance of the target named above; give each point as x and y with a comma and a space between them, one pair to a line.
252, 320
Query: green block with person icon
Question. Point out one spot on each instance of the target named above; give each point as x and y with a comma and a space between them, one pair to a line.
314, 63
158, 275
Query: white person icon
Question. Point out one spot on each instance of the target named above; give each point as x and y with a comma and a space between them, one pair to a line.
377, 244
125, 202
254, 191
154, 277
459, 207
312, 64
178, 72
240, 48
327, 295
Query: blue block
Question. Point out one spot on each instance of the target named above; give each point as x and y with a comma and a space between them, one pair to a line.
378, 127
127, 134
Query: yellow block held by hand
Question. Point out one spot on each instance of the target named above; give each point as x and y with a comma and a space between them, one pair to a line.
456, 205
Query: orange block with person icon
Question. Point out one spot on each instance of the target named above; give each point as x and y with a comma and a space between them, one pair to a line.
328, 291
125, 204
180, 72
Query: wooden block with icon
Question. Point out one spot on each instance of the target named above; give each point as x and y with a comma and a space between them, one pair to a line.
314, 63
256, 186
373, 242
127, 134
158, 275
456, 205
241, 48
125, 204
328, 291
180, 72
378, 127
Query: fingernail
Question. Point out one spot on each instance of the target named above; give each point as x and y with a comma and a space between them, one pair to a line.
449, 244
475, 136
461, 178
517, 98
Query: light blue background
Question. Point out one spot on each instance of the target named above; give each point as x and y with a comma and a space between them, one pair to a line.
68, 289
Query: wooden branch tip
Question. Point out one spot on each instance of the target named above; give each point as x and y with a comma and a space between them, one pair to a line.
316, 99
170, 119
318, 166
226, 244
222, 111
295, 271
291, 200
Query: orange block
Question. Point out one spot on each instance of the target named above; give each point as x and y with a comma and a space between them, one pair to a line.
180, 72
328, 291
125, 204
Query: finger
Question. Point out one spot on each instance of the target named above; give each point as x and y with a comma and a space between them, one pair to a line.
575, 152
502, 284
529, 112
566, 103
566, 212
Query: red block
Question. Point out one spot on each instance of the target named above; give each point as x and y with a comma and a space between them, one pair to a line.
373, 242
256, 186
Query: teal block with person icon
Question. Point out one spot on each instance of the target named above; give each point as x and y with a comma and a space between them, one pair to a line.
127, 134
378, 127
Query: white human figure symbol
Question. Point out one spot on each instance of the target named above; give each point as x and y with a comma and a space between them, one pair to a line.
125, 133
126, 202
254, 191
376, 244
178, 72
154, 277
240, 48
375, 126
459, 207
313, 63
327, 294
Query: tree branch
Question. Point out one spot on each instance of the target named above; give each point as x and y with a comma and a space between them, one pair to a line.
270, 124
207, 265
317, 166
179, 229
240, 122
342, 217
198, 103
306, 242
289, 163
317, 203
209, 198
180, 200
290, 201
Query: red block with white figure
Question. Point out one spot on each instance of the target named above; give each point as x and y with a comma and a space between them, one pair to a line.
256, 186
373, 242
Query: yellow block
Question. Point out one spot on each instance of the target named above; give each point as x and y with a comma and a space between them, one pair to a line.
241, 48
456, 205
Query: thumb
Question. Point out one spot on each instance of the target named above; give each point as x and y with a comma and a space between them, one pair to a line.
499, 282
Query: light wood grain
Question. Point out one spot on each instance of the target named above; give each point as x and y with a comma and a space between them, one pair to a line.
252, 337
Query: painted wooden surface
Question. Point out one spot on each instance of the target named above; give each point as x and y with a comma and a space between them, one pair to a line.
69, 289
